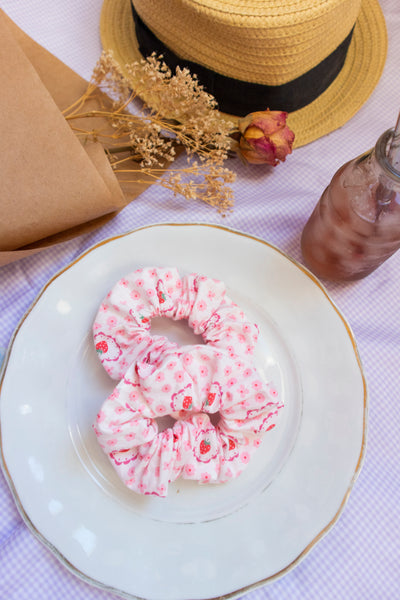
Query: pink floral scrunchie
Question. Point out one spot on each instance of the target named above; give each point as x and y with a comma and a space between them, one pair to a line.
191, 383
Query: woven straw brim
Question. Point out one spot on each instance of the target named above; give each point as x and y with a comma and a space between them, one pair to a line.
332, 109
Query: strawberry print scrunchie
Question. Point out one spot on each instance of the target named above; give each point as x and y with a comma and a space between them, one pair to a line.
157, 377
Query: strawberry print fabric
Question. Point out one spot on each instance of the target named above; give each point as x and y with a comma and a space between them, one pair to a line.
157, 377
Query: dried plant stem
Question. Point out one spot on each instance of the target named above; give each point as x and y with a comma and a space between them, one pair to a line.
152, 140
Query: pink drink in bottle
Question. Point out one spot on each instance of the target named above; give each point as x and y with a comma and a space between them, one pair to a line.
355, 226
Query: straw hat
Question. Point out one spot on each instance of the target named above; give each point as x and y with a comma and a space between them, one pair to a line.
318, 60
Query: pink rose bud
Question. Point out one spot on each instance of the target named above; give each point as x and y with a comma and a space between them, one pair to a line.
265, 137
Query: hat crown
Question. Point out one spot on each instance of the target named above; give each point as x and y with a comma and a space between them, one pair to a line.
269, 42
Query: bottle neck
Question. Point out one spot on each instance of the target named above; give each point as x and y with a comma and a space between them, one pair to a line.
382, 156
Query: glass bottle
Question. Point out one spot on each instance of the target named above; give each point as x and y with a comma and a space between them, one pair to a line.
355, 226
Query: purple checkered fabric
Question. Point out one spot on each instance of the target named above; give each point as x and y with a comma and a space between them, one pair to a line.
359, 559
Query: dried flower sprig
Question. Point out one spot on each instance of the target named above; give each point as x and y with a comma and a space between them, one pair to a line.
179, 116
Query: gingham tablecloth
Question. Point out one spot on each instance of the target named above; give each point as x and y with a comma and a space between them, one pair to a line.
360, 557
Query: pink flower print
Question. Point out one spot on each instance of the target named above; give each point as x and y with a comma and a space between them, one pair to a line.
139, 283
160, 376
247, 372
259, 397
201, 305
257, 442
200, 421
119, 410
205, 477
96, 326
150, 292
245, 457
246, 328
166, 388
162, 490
273, 392
249, 349
111, 322
132, 396
189, 470
231, 382
211, 293
227, 371
111, 442
160, 409
179, 376
187, 359
114, 394
256, 384
142, 487
135, 295
130, 437
168, 276
124, 282
171, 365
195, 324
243, 391
101, 416
203, 371
123, 364
131, 473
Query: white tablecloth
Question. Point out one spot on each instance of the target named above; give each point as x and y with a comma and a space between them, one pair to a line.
360, 557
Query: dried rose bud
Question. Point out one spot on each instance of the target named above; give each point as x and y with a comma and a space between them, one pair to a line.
265, 137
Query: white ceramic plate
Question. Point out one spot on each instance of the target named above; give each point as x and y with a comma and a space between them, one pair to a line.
202, 541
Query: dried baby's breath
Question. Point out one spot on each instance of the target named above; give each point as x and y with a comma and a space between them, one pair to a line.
178, 115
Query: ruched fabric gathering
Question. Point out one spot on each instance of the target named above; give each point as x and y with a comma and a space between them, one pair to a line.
156, 377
